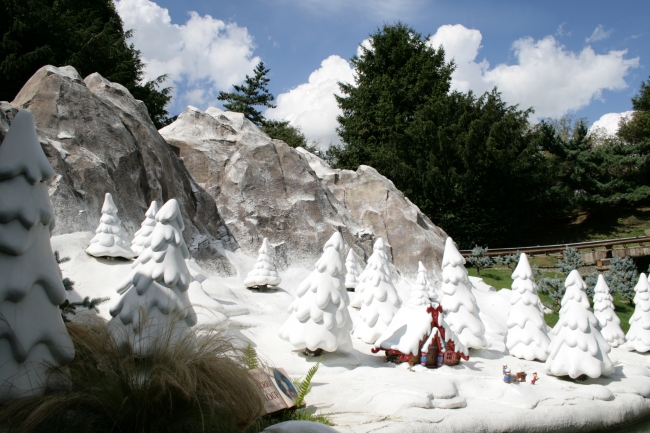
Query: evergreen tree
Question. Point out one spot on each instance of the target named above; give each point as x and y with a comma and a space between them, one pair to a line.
422, 289
610, 324
146, 228
319, 317
110, 238
637, 129
155, 310
622, 276
638, 336
527, 336
577, 348
85, 34
33, 338
454, 155
457, 301
250, 94
353, 271
376, 295
283, 130
479, 259
263, 273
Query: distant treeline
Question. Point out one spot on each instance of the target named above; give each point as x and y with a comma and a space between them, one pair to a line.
476, 166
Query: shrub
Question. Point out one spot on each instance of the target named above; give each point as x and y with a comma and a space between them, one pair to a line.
196, 384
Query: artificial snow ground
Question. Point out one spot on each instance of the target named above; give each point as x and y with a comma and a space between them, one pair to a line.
362, 393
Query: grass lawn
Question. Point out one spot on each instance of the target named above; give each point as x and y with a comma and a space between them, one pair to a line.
499, 278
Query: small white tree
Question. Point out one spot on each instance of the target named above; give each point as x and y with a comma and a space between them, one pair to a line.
110, 238
577, 348
420, 292
155, 308
264, 273
353, 271
527, 331
610, 324
377, 295
457, 300
319, 317
33, 338
146, 228
638, 337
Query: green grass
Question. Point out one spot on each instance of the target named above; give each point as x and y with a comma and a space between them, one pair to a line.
500, 278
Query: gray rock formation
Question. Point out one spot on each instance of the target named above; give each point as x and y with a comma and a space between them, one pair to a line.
264, 188
234, 184
375, 204
100, 139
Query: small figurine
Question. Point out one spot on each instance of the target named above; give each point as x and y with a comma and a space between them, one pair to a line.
505, 367
520, 377
506, 375
534, 379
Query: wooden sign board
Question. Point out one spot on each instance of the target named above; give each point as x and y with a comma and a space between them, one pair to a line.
277, 388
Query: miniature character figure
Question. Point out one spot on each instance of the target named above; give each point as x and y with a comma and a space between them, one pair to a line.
534, 379
505, 367
506, 375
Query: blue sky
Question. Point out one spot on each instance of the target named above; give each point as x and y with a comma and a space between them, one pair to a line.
582, 57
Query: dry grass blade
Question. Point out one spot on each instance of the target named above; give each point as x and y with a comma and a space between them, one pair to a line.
196, 384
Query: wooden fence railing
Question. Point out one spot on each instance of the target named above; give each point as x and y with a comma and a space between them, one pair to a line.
598, 250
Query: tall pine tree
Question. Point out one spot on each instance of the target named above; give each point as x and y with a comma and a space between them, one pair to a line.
472, 164
85, 34
250, 94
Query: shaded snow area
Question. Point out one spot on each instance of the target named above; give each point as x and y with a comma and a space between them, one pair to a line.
363, 393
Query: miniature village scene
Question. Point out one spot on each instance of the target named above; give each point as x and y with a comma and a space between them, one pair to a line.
203, 275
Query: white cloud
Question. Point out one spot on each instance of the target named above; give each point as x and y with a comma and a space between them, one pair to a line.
599, 34
608, 123
204, 53
545, 76
366, 44
311, 105
462, 45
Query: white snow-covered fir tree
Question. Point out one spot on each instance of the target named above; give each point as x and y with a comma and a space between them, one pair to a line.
353, 271
638, 337
155, 305
610, 324
110, 238
577, 348
319, 317
527, 336
377, 295
457, 300
33, 338
146, 228
264, 273
420, 291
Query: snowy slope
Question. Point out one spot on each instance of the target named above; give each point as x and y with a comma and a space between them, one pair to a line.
362, 393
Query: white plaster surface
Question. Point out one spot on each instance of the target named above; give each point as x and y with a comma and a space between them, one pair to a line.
362, 393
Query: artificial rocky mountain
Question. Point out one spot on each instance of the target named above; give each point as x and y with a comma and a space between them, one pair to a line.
264, 188
235, 185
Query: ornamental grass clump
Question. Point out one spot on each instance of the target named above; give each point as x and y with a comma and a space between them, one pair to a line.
193, 385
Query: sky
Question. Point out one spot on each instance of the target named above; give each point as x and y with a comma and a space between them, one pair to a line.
579, 57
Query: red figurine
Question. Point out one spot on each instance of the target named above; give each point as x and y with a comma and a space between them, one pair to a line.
534, 379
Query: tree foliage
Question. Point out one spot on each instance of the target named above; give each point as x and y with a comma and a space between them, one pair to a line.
596, 175
472, 164
479, 259
283, 130
249, 95
85, 34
